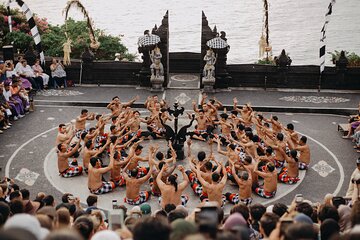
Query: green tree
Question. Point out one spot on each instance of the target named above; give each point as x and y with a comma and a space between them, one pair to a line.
78, 32
53, 37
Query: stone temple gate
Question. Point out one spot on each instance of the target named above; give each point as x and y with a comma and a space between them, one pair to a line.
190, 65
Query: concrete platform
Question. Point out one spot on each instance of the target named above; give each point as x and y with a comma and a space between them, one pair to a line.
27, 149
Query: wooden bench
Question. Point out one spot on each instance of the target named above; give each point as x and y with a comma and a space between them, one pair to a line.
344, 128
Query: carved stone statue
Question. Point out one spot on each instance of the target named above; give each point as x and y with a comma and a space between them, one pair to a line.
209, 68
67, 50
343, 61
157, 68
283, 60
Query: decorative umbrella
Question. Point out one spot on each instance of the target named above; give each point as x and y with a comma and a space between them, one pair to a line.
148, 40
217, 43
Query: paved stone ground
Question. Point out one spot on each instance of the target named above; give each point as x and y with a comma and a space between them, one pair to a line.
26, 150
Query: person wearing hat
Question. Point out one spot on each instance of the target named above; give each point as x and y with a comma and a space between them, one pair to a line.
117, 57
145, 209
353, 191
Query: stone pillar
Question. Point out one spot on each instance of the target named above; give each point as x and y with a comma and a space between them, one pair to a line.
144, 74
163, 32
222, 77
221, 74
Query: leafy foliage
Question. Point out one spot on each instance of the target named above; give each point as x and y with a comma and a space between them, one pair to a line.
353, 58
266, 61
53, 37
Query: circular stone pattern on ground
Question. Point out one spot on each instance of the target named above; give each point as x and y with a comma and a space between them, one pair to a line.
184, 77
314, 99
78, 185
59, 93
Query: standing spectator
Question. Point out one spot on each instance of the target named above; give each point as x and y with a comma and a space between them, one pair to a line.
58, 73
39, 72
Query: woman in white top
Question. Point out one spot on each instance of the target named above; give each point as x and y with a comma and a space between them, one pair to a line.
39, 72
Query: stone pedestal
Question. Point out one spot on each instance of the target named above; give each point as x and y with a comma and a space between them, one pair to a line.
157, 83
208, 84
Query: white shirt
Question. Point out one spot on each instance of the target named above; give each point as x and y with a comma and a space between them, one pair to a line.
27, 71
7, 94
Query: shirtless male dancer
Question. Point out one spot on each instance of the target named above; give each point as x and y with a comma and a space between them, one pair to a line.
133, 194
246, 112
95, 176
201, 129
244, 180
65, 134
63, 166
270, 180
136, 158
304, 158
90, 152
215, 188
277, 144
290, 174
81, 121
158, 165
170, 190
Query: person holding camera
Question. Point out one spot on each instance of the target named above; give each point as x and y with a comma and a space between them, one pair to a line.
353, 191
58, 73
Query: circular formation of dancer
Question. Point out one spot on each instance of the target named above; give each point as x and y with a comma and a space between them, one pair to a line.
259, 153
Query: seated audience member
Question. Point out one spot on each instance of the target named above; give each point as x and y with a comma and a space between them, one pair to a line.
25, 71
39, 72
58, 73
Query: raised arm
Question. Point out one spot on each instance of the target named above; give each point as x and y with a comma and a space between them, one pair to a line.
185, 178
224, 179
159, 180
262, 174
69, 154
219, 147
200, 178
233, 171
147, 176
131, 102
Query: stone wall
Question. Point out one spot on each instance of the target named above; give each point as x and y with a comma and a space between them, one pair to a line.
243, 75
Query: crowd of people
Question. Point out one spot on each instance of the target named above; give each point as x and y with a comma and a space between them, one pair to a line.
18, 85
354, 130
48, 218
33, 77
259, 153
